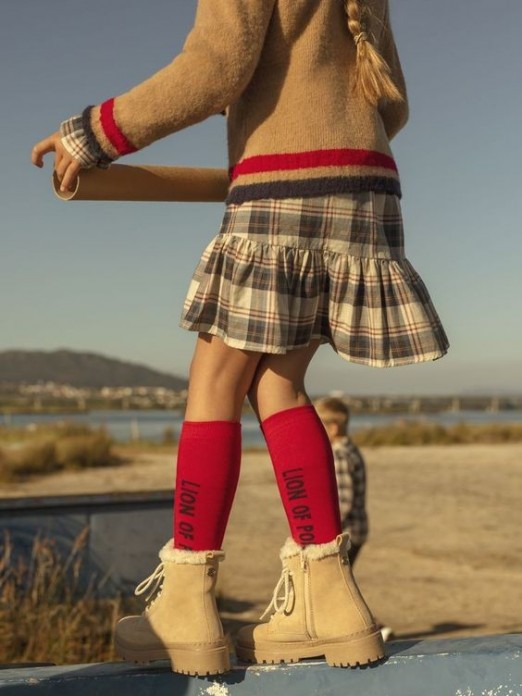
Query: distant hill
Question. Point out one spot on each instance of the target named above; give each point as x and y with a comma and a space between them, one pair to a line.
79, 369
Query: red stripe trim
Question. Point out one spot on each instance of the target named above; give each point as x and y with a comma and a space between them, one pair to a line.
312, 160
116, 138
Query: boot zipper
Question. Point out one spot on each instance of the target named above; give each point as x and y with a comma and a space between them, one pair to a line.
310, 629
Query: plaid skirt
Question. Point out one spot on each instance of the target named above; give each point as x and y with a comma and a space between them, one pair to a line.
282, 273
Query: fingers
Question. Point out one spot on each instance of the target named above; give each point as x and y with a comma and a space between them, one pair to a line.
69, 176
61, 163
43, 148
65, 165
66, 168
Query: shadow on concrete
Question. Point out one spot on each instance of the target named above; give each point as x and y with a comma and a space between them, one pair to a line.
233, 606
486, 664
231, 624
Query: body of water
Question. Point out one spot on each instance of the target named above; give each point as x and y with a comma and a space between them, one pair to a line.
151, 425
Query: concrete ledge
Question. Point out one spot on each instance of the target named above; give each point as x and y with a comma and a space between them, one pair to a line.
485, 666
109, 565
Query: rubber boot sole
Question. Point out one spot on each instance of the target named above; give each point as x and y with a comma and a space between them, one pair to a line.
351, 653
196, 662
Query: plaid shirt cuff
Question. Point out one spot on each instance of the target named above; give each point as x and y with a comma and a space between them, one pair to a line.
74, 140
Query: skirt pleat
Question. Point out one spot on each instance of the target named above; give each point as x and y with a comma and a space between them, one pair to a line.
282, 273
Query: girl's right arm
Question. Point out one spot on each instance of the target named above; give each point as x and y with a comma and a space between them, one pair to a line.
217, 62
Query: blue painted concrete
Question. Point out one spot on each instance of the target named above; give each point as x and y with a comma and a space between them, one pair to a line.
485, 666
110, 564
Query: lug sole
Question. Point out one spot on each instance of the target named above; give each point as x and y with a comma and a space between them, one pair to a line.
196, 662
351, 653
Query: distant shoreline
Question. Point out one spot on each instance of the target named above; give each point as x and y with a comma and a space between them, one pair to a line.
16, 410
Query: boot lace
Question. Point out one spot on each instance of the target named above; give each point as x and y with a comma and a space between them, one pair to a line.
153, 584
280, 604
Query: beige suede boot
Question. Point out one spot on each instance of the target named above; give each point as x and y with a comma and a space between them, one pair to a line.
322, 612
181, 623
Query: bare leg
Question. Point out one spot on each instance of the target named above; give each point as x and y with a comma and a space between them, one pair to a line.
220, 377
278, 382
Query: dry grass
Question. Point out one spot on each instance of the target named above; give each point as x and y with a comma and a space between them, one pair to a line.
42, 618
47, 450
69, 446
37, 432
425, 433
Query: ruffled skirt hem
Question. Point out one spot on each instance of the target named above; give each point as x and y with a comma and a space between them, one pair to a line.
240, 344
272, 283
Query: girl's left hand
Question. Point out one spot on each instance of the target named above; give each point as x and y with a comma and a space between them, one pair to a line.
66, 166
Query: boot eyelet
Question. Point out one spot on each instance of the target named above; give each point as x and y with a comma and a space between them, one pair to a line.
211, 572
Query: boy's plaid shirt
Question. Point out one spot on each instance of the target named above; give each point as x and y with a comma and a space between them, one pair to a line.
350, 471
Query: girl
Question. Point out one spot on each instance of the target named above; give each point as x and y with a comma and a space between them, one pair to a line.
310, 252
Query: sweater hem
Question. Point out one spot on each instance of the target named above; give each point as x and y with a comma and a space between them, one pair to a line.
308, 188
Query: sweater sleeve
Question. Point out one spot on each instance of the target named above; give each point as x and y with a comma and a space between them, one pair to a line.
394, 114
217, 62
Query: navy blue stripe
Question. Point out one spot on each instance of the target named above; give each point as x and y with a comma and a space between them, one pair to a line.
94, 146
306, 188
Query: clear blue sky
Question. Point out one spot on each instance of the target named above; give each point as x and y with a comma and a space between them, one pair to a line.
111, 277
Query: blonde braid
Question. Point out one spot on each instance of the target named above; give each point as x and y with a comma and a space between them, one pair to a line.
373, 74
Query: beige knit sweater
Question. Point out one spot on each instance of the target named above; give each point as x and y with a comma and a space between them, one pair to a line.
284, 72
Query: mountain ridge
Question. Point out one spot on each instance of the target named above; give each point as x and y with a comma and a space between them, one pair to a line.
81, 369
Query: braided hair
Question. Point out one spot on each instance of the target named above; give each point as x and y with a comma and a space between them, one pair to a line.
373, 75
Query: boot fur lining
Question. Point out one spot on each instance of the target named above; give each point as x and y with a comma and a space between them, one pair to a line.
314, 552
169, 554
290, 548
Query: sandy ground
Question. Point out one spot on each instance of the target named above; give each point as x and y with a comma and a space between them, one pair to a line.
444, 556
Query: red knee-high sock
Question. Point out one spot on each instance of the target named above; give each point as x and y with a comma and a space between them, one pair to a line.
209, 459
303, 463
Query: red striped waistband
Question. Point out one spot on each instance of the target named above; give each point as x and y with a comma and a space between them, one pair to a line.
313, 159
